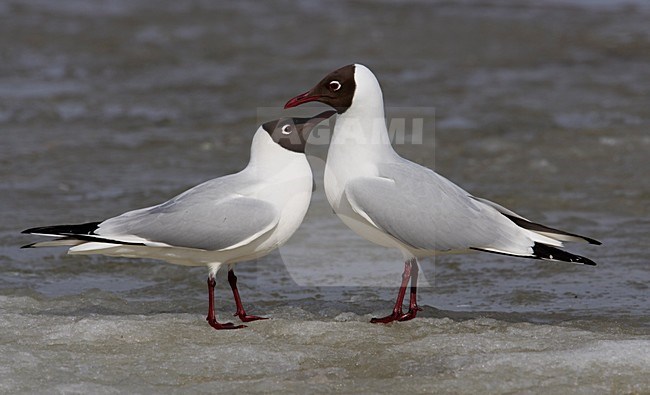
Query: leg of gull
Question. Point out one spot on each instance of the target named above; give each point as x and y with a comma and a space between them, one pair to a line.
397, 310
212, 318
413, 304
232, 279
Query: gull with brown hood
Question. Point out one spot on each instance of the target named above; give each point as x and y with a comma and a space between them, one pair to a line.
397, 203
234, 218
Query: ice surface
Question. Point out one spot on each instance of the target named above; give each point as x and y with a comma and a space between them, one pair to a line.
298, 351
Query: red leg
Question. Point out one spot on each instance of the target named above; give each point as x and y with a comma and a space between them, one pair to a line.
413, 304
212, 318
232, 279
397, 310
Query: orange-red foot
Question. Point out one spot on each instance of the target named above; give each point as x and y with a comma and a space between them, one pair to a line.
219, 326
410, 314
395, 316
248, 318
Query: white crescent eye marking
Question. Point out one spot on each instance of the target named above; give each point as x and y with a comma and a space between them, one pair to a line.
334, 86
286, 129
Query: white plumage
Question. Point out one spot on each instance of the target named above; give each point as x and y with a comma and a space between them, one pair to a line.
223, 221
397, 203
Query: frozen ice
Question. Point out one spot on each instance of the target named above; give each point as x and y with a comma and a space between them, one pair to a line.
46, 347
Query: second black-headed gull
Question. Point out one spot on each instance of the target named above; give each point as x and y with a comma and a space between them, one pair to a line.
234, 218
396, 203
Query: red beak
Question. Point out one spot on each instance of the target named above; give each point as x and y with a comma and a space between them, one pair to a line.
300, 99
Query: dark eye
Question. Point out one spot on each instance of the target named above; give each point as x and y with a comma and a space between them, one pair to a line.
286, 129
334, 86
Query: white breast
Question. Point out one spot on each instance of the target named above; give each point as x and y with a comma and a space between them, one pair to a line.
284, 179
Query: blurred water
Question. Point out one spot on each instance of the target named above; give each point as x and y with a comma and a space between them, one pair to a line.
543, 107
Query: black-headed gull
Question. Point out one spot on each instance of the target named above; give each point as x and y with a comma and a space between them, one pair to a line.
396, 203
234, 218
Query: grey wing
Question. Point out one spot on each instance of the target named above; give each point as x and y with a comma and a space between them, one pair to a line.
426, 211
199, 218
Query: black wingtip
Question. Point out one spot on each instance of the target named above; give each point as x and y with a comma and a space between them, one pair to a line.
543, 251
535, 227
590, 240
82, 229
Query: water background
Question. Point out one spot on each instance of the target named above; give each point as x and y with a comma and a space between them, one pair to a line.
544, 107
